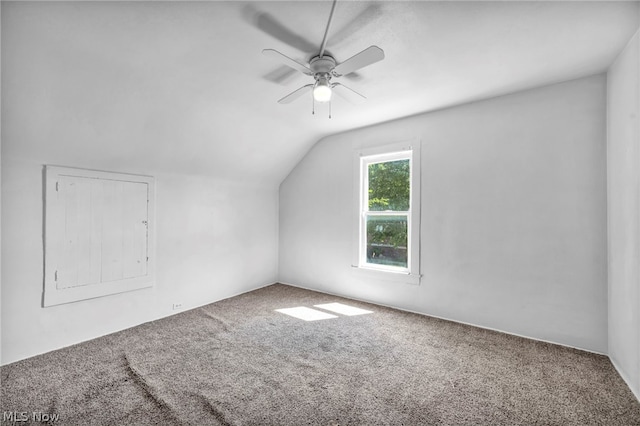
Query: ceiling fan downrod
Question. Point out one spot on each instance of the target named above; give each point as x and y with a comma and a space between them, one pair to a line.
326, 32
324, 68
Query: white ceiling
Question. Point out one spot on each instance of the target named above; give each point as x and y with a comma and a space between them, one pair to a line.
183, 87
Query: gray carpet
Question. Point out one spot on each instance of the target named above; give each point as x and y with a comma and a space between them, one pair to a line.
239, 362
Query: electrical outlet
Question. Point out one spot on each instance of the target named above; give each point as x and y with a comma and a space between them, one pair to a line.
177, 306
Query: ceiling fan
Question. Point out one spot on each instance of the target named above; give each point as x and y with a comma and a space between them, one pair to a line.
323, 68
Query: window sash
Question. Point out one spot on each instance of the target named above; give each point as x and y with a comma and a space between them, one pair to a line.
364, 242
365, 212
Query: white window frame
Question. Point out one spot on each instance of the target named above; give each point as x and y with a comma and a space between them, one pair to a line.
52, 244
392, 152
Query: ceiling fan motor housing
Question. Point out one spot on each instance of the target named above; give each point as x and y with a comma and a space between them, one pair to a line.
323, 68
322, 65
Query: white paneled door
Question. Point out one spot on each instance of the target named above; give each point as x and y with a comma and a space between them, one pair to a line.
105, 230
97, 232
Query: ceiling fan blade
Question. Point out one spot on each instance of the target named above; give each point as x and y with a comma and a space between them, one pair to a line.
368, 56
287, 61
348, 94
295, 94
275, 29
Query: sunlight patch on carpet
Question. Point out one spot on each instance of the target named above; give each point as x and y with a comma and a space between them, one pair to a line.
306, 314
341, 308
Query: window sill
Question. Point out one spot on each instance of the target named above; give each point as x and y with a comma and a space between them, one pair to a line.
378, 274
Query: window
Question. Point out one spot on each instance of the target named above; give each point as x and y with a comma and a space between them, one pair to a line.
98, 234
388, 210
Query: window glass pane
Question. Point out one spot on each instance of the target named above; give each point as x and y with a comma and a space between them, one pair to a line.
389, 186
387, 240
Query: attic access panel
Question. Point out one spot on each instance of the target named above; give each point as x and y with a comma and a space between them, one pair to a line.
99, 234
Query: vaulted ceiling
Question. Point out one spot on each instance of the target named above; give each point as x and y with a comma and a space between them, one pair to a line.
182, 87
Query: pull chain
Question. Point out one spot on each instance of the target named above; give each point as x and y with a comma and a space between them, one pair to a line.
329, 109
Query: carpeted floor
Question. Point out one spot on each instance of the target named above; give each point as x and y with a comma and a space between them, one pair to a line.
239, 362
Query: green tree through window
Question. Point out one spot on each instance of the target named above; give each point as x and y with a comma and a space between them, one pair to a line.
389, 191
389, 186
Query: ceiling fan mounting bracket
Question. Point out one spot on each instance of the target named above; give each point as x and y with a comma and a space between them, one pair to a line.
322, 65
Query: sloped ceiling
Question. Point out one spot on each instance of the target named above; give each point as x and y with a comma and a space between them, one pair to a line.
182, 87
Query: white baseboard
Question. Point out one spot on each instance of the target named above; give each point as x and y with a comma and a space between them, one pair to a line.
155, 318
258, 287
448, 319
625, 378
621, 372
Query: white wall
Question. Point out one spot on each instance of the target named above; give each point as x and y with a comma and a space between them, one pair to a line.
69, 106
623, 173
215, 239
0, 203
513, 215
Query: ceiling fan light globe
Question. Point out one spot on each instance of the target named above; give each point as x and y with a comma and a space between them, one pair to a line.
322, 93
